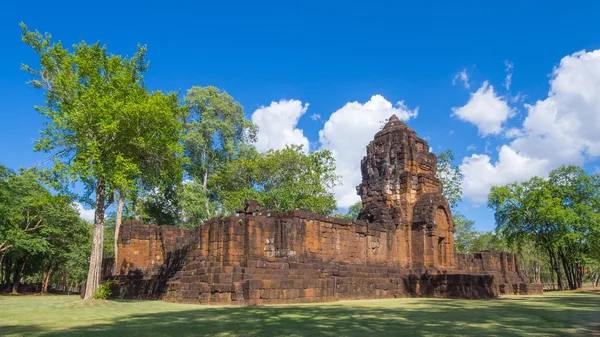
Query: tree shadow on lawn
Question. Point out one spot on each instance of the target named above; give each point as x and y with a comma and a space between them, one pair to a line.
556, 315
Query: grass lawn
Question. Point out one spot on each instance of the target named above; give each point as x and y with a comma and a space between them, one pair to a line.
554, 314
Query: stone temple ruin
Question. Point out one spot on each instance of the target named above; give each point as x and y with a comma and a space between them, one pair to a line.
402, 245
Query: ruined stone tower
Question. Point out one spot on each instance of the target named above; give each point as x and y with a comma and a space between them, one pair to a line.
401, 245
400, 191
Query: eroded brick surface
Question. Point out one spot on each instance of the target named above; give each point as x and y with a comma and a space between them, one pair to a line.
402, 245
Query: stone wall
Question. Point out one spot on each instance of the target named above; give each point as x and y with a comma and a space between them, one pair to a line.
402, 245
262, 257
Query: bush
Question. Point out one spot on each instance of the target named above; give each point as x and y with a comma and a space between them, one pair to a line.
103, 292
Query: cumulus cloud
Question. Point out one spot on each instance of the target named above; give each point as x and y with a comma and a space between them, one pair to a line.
480, 173
315, 117
560, 129
85, 214
564, 127
347, 133
486, 110
463, 77
277, 125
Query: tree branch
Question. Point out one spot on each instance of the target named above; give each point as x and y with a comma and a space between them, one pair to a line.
4, 246
27, 229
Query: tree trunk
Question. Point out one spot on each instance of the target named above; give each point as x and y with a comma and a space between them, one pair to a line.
118, 220
95, 269
556, 268
204, 186
552, 278
570, 269
2, 270
7, 272
46, 279
17, 279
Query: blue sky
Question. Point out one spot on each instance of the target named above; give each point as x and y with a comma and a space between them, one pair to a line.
314, 58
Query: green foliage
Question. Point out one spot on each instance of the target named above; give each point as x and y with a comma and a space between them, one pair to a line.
161, 205
38, 229
104, 290
353, 211
102, 122
488, 241
215, 127
559, 214
280, 180
464, 234
451, 177
468, 240
104, 128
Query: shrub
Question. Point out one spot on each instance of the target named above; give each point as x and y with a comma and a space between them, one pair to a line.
103, 292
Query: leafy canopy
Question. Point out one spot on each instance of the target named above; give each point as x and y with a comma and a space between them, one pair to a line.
559, 214
451, 178
280, 180
102, 121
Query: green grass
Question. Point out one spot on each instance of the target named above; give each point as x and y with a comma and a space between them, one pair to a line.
554, 314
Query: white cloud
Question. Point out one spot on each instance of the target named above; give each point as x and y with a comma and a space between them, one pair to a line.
347, 133
564, 127
486, 110
85, 214
471, 147
513, 133
315, 117
560, 129
462, 77
480, 174
277, 125
509, 72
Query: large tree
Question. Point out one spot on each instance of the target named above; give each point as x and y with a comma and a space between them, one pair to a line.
280, 180
451, 178
23, 203
465, 234
103, 126
39, 230
559, 214
215, 129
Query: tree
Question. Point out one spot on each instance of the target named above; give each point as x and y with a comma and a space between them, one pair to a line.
559, 214
22, 205
280, 180
451, 178
488, 241
104, 127
464, 234
353, 211
65, 233
215, 128
40, 229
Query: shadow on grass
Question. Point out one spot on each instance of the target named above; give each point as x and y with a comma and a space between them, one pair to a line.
556, 315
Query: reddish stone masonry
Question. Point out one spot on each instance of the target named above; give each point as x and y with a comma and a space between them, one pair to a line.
402, 245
